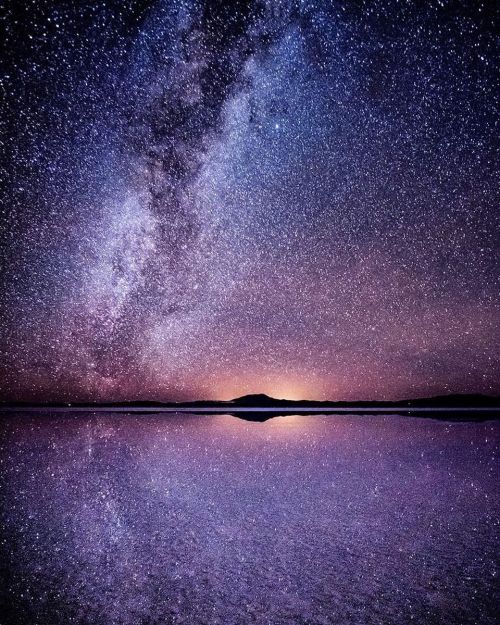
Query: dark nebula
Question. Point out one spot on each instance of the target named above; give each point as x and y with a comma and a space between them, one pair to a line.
204, 199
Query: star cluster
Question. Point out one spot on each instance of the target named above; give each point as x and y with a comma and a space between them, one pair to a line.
202, 199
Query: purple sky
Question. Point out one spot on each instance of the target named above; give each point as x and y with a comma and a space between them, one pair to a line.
202, 201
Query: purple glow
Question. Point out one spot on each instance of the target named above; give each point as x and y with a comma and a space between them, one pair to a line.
305, 519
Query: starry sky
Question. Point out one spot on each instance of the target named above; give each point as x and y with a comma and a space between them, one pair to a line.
201, 199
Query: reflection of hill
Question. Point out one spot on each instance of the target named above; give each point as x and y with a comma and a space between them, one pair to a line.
259, 407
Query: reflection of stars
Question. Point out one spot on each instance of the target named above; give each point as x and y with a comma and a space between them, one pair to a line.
167, 502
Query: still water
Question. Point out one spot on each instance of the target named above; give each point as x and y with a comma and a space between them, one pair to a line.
147, 519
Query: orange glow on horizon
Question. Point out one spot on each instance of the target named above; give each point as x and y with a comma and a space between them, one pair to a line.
280, 387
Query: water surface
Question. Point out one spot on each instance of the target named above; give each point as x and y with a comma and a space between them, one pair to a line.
148, 519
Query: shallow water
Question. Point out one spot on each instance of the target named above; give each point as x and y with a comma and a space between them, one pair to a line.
149, 519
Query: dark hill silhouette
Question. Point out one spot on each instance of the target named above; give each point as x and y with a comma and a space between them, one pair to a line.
258, 399
450, 407
259, 407
438, 401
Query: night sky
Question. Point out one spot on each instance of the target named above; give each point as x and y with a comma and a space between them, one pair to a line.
205, 199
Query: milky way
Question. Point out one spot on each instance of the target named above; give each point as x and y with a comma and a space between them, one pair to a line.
202, 199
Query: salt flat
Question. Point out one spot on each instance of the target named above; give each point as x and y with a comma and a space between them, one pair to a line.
148, 519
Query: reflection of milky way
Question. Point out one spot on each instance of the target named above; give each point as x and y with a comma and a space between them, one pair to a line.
206, 520
204, 199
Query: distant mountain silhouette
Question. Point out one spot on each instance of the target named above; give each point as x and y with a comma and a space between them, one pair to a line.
258, 399
446, 401
479, 407
259, 406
